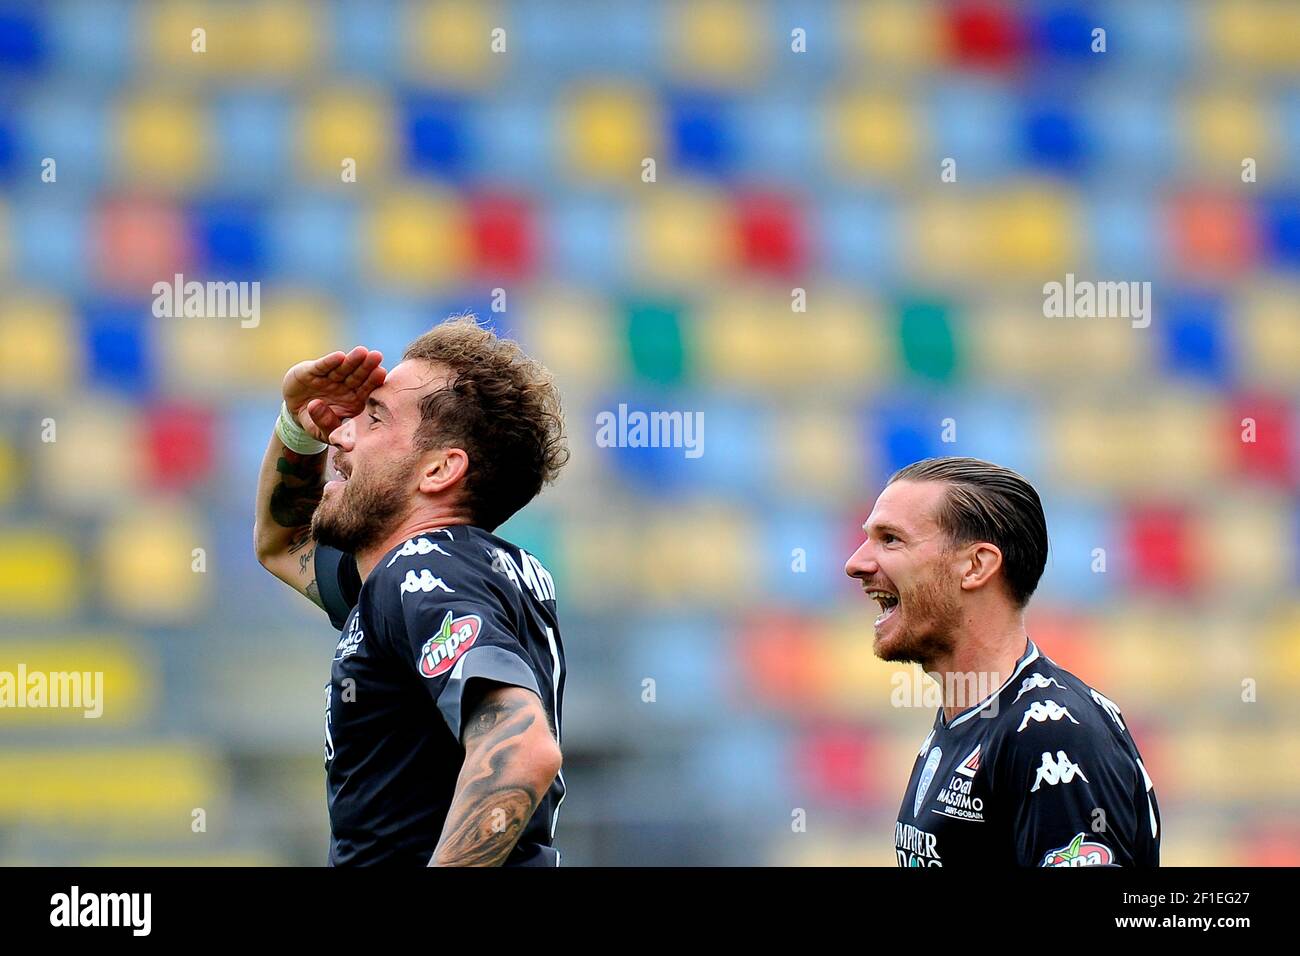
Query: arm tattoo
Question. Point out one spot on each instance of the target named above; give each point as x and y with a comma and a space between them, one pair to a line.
493, 801
296, 496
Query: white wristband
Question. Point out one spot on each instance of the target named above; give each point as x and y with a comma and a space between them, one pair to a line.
294, 437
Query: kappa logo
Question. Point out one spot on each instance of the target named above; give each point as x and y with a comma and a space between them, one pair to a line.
425, 581
351, 640
453, 639
417, 546
927, 774
971, 764
1110, 707
1033, 682
1060, 770
1081, 851
1042, 711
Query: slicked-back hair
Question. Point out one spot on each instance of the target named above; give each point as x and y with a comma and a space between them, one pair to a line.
986, 502
501, 407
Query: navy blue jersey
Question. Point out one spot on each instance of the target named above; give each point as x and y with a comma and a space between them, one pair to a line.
444, 612
1041, 773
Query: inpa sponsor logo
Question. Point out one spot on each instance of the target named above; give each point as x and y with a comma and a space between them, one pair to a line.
456, 635
1080, 851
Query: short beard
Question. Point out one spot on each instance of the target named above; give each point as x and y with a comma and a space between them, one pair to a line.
365, 512
936, 636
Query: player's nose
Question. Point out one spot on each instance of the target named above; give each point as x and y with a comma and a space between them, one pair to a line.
861, 564
342, 436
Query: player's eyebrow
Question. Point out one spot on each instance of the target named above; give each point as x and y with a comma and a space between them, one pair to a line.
883, 527
373, 403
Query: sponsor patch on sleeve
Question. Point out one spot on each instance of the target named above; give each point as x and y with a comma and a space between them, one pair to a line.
456, 635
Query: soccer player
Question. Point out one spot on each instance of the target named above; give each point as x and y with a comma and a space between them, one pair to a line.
1026, 765
442, 715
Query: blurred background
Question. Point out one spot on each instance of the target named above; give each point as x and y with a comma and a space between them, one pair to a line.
796, 146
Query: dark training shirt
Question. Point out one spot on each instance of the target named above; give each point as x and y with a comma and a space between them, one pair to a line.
1041, 773
447, 610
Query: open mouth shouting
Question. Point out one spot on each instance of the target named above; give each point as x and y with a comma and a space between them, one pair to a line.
337, 473
888, 602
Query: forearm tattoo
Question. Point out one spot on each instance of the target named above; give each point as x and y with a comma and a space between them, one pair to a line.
299, 492
494, 800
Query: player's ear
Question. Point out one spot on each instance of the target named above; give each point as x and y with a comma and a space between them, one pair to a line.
443, 468
983, 561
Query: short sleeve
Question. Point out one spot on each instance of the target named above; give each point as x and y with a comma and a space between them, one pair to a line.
456, 631
1072, 786
339, 583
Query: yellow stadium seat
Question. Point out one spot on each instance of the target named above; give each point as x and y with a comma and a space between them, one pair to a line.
295, 325
1280, 646
751, 338
682, 236
1011, 339
1236, 765
102, 431
872, 134
1252, 35
1033, 231
453, 42
893, 36
829, 465
147, 562
161, 140
715, 42
1169, 442
198, 356
347, 124
1269, 333
38, 346
118, 688
1251, 538
1222, 127
168, 39
607, 131
39, 574
285, 37
1147, 644
417, 237
697, 553
854, 683
151, 788
943, 237
11, 472
570, 330
264, 38
603, 560
839, 847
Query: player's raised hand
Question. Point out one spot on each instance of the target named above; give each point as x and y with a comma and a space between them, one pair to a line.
321, 392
